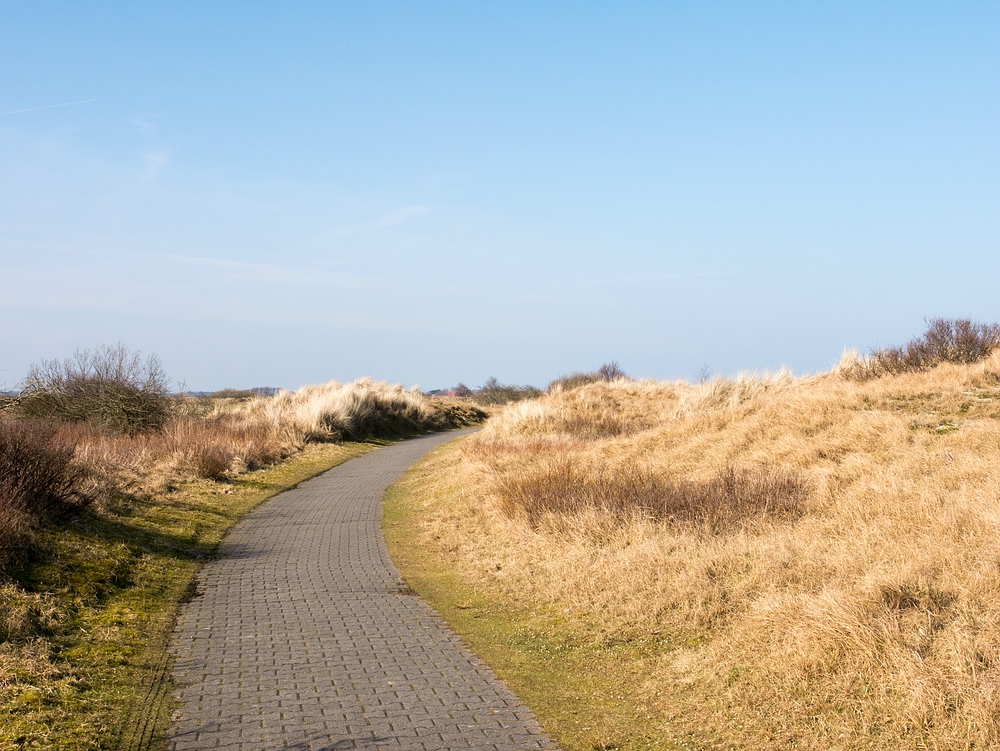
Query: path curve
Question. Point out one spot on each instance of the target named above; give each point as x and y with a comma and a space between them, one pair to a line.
303, 635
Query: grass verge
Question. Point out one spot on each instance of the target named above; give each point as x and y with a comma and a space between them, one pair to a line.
88, 611
580, 684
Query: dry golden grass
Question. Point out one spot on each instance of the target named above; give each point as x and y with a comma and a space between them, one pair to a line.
856, 606
46, 466
235, 436
353, 411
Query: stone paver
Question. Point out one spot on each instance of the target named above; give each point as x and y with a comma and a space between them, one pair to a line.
303, 636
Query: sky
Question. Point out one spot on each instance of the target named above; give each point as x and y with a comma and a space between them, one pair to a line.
279, 194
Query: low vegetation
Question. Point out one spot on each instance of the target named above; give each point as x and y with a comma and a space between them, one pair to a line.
762, 562
109, 387
609, 371
363, 409
493, 393
957, 341
39, 481
111, 494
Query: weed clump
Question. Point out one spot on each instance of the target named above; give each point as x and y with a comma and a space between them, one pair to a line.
960, 341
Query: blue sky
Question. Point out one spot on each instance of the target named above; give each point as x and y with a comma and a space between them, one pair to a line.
288, 193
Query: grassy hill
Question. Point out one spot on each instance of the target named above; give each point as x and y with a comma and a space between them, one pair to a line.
762, 562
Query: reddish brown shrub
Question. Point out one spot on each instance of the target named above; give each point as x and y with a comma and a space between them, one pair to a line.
38, 479
958, 341
735, 495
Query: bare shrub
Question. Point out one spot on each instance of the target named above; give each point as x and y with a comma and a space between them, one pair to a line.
609, 371
39, 480
957, 341
493, 393
573, 381
109, 386
463, 391
733, 496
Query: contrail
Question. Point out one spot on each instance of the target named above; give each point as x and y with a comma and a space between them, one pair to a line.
47, 107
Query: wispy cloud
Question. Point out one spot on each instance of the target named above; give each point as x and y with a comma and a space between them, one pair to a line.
144, 126
155, 160
402, 215
392, 219
269, 272
47, 107
633, 279
278, 274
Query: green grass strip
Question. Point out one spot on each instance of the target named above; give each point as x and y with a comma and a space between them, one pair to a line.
94, 604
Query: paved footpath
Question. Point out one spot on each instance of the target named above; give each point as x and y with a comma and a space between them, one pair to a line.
303, 635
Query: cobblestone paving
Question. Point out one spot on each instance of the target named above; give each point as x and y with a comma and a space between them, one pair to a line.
303, 636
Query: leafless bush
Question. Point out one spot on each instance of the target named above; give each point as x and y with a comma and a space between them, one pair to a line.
609, 371
573, 381
957, 341
109, 386
735, 495
463, 391
39, 480
493, 393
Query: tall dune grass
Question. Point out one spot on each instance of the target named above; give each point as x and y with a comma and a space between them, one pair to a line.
239, 435
354, 411
55, 465
856, 605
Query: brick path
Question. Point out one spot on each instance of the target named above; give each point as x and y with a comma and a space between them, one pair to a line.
303, 635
